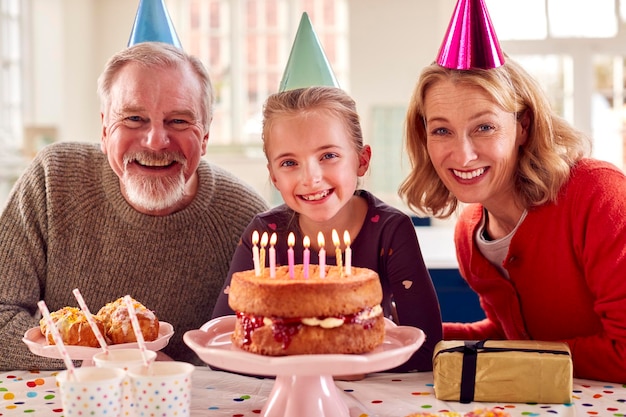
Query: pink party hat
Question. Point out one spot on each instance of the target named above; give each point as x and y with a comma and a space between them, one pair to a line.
470, 41
153, 24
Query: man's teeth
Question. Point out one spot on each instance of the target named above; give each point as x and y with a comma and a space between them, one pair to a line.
469, 175
317, 196
154, 163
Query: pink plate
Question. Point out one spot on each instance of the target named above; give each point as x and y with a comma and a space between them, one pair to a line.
304, 385
37, 344
212, 344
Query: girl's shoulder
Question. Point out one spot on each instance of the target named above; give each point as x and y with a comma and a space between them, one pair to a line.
277, 219
380, 210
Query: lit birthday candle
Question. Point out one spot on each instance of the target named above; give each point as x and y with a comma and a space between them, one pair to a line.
337, 244
306, 242
255, 253
291, 240
264, 239
272, 253
346, 240
322, 254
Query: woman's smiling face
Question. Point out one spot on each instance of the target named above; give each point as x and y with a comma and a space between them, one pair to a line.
472, 142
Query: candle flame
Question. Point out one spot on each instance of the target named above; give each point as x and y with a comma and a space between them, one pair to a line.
273, 239
255, 238
264, 239
291, 239
320, 240
306, 242
336, 241
346, 238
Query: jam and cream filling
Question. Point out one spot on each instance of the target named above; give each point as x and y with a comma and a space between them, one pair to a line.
332, 322
285, 328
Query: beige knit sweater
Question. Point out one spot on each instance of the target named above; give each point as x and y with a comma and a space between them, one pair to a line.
67, 226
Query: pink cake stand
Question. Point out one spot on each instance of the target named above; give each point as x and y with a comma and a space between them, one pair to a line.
304, 384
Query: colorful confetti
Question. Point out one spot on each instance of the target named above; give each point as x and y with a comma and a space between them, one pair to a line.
223, 394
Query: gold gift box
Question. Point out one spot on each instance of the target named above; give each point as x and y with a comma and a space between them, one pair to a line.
516, 371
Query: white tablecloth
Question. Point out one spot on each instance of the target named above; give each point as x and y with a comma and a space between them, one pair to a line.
222, 394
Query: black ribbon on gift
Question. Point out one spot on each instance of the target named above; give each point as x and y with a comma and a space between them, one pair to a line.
470, 350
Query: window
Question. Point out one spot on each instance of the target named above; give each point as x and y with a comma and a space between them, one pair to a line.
542, 19
11, 160
575, 49
10, 67
245, 45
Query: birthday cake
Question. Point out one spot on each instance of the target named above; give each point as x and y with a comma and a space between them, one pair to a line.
287, 315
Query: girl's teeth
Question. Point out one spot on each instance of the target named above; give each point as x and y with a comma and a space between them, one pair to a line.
314, 197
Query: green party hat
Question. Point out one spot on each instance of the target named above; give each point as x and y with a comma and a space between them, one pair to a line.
307, 65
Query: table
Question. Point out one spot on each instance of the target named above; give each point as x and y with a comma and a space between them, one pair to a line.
223, 394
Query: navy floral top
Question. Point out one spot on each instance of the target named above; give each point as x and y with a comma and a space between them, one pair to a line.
387, 243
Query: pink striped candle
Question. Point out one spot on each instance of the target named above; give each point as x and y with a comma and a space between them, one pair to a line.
291, 241
306, 256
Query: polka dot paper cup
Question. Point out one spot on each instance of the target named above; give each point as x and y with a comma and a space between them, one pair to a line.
162, 390
124, 359
91, 392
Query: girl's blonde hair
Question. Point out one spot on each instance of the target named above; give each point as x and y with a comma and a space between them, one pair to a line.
301, 101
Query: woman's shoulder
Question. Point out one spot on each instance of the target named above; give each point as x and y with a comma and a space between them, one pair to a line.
595, 167
594, 176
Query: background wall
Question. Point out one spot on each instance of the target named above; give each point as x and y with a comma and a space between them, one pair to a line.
389, 42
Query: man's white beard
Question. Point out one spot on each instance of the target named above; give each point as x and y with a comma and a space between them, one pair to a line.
154, 193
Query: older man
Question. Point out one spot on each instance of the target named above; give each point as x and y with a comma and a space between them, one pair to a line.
143, 215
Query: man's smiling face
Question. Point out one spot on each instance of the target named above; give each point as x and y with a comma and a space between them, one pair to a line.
153, 135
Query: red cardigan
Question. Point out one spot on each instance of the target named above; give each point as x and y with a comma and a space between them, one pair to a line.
567, 267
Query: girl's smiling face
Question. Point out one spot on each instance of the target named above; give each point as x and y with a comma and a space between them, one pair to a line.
472, 143
313, 162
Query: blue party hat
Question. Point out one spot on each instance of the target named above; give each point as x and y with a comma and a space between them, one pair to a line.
153, 24
307, 65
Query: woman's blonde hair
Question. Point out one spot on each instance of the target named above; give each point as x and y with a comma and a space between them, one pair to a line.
552, 147
300, 101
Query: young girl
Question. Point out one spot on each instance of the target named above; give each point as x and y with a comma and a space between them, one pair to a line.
315, 152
